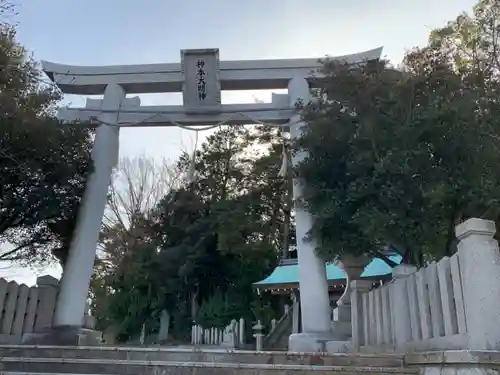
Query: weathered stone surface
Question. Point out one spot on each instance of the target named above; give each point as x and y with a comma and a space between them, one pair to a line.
457, 362
188, 361
210, 356
455, 358
165, 361
63, 336
81, 366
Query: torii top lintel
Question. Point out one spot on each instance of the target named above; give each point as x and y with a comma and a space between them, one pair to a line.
157, 78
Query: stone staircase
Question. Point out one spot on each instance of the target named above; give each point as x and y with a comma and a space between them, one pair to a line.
277, 339
25, 360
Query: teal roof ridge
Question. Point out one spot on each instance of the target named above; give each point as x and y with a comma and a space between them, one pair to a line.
288, 272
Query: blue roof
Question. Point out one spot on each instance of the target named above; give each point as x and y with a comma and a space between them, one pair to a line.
289, 274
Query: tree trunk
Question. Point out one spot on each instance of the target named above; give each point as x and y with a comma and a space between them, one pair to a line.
194, 306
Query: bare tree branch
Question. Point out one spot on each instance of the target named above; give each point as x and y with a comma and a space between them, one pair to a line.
7, 12
137, 187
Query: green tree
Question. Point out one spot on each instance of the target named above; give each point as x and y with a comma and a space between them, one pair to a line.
470, 43
398, 158
214, 236
126, 254
44, 163
223, 226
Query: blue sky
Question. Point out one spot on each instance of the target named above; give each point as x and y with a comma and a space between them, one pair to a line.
103, 32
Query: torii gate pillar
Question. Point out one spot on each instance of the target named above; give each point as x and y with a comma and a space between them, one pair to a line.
67, 326
313, 284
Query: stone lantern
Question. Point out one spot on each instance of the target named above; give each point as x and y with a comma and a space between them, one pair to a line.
353, 267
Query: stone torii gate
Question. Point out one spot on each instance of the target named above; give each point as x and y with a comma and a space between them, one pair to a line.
200, 77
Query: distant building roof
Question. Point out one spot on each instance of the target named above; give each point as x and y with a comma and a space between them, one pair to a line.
287, 273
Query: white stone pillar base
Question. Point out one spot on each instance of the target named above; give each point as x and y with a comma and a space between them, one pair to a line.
307, 342
64, 336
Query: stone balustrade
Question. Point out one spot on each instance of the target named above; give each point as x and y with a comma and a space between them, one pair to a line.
449, 304
27, 310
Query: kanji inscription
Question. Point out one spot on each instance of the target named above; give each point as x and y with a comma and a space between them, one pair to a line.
201, 79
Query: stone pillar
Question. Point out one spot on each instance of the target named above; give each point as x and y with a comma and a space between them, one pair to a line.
9, 308
400, 304
75, 281
88, 320
259, 336
479, 259
295, 312
241, 331
353, 267
358, 287
314, 301
47, 295
164, 327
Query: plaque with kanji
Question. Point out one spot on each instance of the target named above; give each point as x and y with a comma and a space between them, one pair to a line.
200, 68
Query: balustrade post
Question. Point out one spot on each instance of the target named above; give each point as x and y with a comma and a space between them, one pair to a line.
358, 287
479, 259
400, 309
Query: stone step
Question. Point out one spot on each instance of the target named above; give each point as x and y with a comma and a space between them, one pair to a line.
67, 366
175, 355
